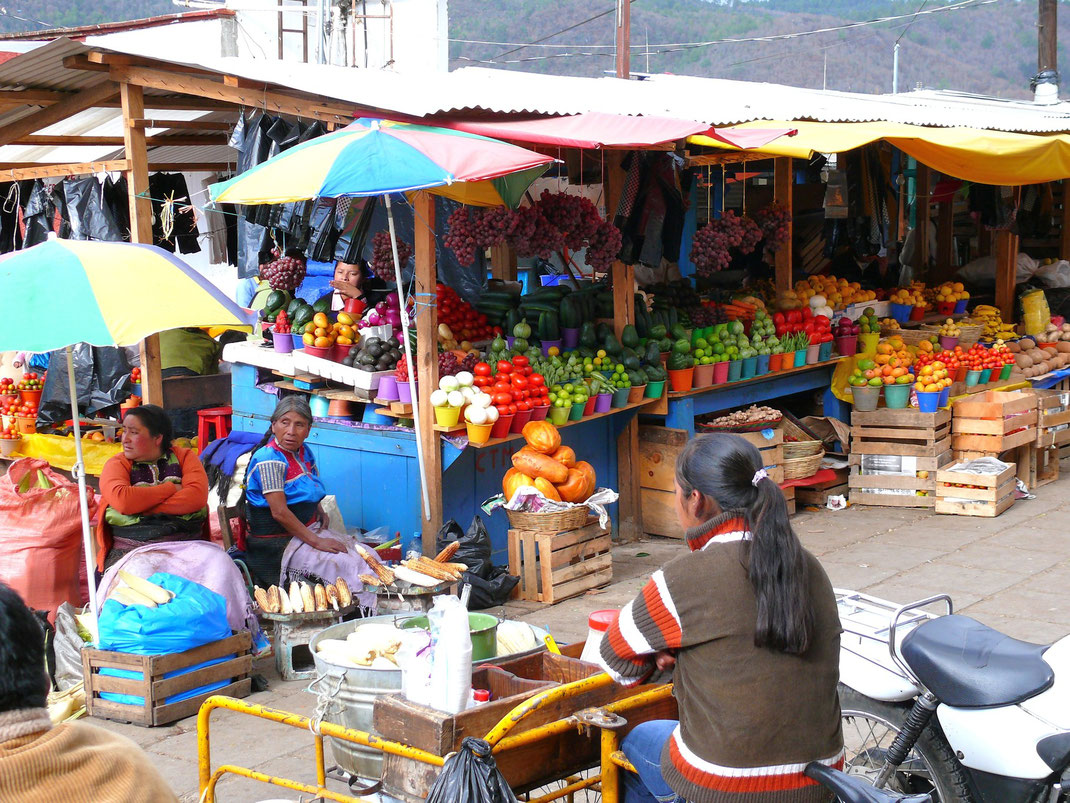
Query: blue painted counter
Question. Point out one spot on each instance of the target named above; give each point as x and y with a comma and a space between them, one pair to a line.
376, 479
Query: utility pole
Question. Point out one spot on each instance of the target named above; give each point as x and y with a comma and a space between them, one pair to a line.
895, 69
624, 38
1047, 34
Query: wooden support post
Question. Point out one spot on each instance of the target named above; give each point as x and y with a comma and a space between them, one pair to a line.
921, 218
782, 187
1064, 231
1006, 269
945, 241
503, 263
427, 359
137, 181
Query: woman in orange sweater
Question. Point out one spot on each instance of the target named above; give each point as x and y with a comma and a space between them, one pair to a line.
153, 491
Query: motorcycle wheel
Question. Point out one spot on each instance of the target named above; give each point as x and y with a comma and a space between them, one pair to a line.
870, 726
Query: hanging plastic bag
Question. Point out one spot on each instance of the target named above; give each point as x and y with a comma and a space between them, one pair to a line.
471, 776
1035, 312
41, 535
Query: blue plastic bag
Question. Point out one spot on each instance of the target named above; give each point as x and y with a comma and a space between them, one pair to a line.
194, 617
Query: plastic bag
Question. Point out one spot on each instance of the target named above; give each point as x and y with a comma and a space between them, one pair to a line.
194, 617
451, 657
41, 536
471, 776
491, 585
1035, 312
67, 644
101, 374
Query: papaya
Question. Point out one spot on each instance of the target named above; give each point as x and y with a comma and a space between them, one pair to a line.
588, 471
536, 464
513, 480
547, 489
542, 436
565, 456
574, 489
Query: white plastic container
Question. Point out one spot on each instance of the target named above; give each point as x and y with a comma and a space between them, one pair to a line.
597, 625
451, 658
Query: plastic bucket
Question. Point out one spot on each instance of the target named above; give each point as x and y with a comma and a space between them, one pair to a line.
945, 396
928, 402
735, 370
946, 307
482, 626
501, 427
575, 413
703, 377
549, 344
986, 375
316, 351
747, 369
901, 312
960, 374
388, 388
540, 412
948, 343
865, 399
26, 426
972, 378
479, 433
635, 395
1005, 371
340, 352
824, 351
800, 358
761, 367
847, 345
372, 417
774, 362
559, 415
447, 416
960, 306
602, 402
570, 338
319, 405
620, 396
917, 313
588, 407
298, 341
896, 396
681, 379
813, 353
720, 372
654, 390
8, 446
519, 419
282, 344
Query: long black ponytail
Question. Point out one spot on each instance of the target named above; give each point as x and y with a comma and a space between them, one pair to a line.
726, 468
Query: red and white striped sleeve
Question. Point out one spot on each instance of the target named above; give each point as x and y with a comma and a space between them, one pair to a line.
647, 624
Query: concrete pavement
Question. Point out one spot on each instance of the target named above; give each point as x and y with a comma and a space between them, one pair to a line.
1011, 572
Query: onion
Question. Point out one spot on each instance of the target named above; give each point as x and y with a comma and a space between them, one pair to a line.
381, 307
392, 300
455, 398
392, 317
482, 400
476, 415
465, 379
492, 414
439, 398
449, 383
374, 319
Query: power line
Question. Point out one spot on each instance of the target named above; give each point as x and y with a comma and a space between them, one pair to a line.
669, 47
5, 12
551, 36
923, 2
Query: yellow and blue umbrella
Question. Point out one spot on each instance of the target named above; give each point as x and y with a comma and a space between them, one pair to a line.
376, 157
63, 292
104, 293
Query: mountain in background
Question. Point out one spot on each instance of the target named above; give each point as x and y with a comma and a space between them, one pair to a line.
989, 49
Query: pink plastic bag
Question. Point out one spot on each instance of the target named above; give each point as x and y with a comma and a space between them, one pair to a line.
41, 536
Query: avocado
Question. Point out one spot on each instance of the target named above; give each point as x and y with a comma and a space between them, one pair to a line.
612, 345
658, 331
681, 346
323, 304
629, 337
588, 338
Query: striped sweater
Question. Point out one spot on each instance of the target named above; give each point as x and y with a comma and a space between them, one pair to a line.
750, 718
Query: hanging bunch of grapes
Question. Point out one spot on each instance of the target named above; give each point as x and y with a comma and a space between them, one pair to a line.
460, 237
711, 248
382, 263
603, 247
574, 216
284, 272
775, 221
534, 235
751, 235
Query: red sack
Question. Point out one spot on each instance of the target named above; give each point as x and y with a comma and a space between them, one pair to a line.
41, 536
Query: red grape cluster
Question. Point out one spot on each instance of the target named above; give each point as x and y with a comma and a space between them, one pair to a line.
752, 234
774, 220
603, 247
449, 365
574, 216
382, 263
284, 273
702, 316
460, 238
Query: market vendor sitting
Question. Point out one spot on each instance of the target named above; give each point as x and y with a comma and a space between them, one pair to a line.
283, 491
355, 289
748, 623
153, 491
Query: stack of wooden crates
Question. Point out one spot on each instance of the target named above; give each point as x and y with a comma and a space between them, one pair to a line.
1053, 434
895, 455
658, 449
555, 564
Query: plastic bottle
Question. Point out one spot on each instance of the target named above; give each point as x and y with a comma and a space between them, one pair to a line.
451, 658
597, 625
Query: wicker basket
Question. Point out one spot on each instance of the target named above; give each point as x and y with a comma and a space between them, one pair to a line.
800, 467
803, 446
571, 519
910, 337
969, 333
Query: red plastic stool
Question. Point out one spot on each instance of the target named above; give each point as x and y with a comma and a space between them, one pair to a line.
216, 417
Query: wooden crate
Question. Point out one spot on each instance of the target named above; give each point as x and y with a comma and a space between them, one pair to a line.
1037, 465
994, 494
994, 421
789, 497
818, 495
1053, 417
556, 566
155, 689
901, 433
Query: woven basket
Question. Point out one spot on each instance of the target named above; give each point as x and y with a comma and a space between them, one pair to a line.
910, 337
804, 446
571, 519
801, 467
969, 333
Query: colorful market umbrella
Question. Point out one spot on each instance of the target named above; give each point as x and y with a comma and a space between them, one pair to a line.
105, 294
380, 157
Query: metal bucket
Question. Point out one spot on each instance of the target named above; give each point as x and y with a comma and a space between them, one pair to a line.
355, 697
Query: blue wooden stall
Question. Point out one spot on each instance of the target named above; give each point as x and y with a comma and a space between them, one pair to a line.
375, 476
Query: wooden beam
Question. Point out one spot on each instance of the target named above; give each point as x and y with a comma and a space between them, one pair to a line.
259, 96
1007, 268
200, 125
1064, 221
45, 97
137, 180
782, 194
503, 263
86, 99
921, 219
728, 158
9, 172
426, 276
945, 241
76, 141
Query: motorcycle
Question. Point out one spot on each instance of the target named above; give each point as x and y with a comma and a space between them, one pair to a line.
944, 705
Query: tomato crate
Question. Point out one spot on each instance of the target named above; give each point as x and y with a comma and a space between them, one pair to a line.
165, 677
983, 495
902, 433
994, 421
555, 566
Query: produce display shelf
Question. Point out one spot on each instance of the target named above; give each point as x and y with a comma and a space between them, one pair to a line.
515, 436
682, 394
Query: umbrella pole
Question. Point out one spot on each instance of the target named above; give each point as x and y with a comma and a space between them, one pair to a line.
408, 358
79, 474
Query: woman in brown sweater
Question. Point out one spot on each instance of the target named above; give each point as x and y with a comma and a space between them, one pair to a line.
747, 622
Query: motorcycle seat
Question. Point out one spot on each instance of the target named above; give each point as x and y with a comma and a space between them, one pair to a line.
849, 789
969, 665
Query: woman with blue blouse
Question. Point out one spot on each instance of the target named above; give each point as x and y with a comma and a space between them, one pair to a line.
283, 492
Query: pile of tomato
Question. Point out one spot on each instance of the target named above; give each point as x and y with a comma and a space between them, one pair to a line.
513, 385
978, 358
462, 318
819, 327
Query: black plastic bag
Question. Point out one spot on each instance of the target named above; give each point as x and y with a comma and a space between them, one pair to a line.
471, 776
101, 374
91, 219
491, 585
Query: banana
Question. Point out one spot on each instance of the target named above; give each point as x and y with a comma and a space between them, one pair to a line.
156, 593
126, 595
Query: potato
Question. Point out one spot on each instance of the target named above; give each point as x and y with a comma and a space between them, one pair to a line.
1014, 348
1063, 347
1024, 361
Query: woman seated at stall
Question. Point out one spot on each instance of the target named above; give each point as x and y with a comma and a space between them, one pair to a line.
748, 622
153, 491
282, 494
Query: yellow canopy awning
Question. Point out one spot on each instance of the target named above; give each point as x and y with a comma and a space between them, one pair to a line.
971, 154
